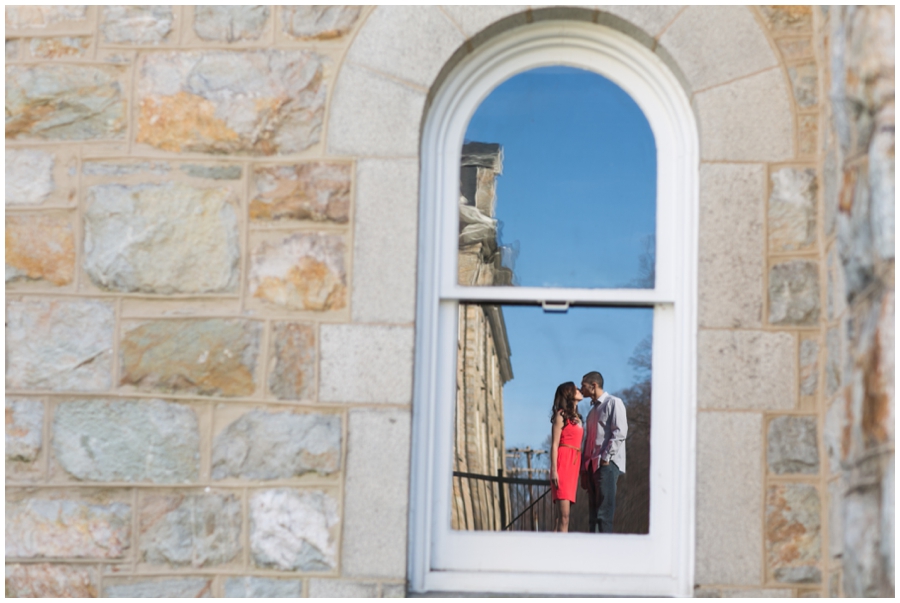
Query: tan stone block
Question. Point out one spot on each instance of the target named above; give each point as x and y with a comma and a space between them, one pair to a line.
308, 191
793, 539
77, 524
214, 357
318, 22
292, 373
40, 247
411, 43
65, 102
717, 44
753, 370
305, 271
62, 47
260, 102
732, 246
747, 120
807, 134
373, 115
49, 580
787, 19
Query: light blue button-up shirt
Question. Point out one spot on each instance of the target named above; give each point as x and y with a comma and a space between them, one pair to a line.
605, 430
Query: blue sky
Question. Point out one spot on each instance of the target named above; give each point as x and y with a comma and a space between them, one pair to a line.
577, 200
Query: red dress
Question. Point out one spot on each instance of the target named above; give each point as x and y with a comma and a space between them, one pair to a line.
568, 462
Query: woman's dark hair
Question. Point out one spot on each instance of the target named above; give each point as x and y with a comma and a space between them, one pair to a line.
564, 402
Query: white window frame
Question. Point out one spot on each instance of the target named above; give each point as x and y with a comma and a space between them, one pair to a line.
661, 562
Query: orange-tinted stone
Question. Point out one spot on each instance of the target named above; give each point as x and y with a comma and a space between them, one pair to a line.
181, 122
48, 580
309, 191
40, 247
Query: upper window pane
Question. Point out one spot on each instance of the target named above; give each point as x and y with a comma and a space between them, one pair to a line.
558, 185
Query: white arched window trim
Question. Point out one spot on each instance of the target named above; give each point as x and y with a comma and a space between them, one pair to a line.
660, 563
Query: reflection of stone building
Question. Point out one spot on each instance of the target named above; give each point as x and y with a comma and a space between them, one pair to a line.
483, 354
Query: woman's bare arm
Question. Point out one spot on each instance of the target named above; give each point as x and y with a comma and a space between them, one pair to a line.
554, 448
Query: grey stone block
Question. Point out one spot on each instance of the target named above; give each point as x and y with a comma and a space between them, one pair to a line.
59, 344
376, 494
310, 22
805, 81
809, 367
472, 19
411, 43
792, 209
792, 446
746, 120
247, 587
393, 591
277, 445
166, 588
322, 588
729, 490
197, 530
293, 530
651, 19
29, 176
136, 24
230, 23
363, 363
794, 297
24, 429
125, 440
384, 272
731, 246
372, 115
751, 370
716, 44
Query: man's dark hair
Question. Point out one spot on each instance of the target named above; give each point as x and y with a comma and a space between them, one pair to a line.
594, 377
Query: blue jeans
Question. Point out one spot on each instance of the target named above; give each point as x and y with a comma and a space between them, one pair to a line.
602, 497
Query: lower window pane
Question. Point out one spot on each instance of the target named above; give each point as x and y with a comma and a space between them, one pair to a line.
511, 363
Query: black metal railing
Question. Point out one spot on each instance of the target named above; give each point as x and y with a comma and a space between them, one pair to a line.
497, 502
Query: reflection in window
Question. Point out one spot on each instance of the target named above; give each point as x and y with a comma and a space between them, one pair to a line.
501, 445
577, 197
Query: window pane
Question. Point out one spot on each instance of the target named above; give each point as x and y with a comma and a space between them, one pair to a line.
558, 185
510, 361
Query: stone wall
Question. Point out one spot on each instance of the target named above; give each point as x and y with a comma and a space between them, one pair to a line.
190, 409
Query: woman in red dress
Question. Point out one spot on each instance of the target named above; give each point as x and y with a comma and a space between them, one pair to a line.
565, 450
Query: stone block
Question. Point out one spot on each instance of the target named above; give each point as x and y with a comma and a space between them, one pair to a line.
835, 519
230, 23
127, 440
64, 527
12, 50
165, 588
792, 210
210, 357
650, 19
40, 247
65, 102
307, 191
212, 172
59, 344
412, 43
705, 592
834, 358
793, 540
62, 47
729, 488
472, 19
732, 246
278, 445
180, 239
393, 591
835, 301
373, 115
384, 274
304, 271
793, 446
39, 17
794, 297
750, 370
862, 575
376, 510
246, 587
809, 366
292, 372
48, 580
294, 530
746, 120
366, 364
318, 22
136, 24
795, 48
128, 168
787, 19
342, 589
807, 134
834, 434
24, 429
261, 102
190, 529
717, 44
805, 82
31, 177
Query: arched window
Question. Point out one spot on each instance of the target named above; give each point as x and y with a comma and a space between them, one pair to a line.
506, 263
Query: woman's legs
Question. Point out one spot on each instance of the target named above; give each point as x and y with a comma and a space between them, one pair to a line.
562, 522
